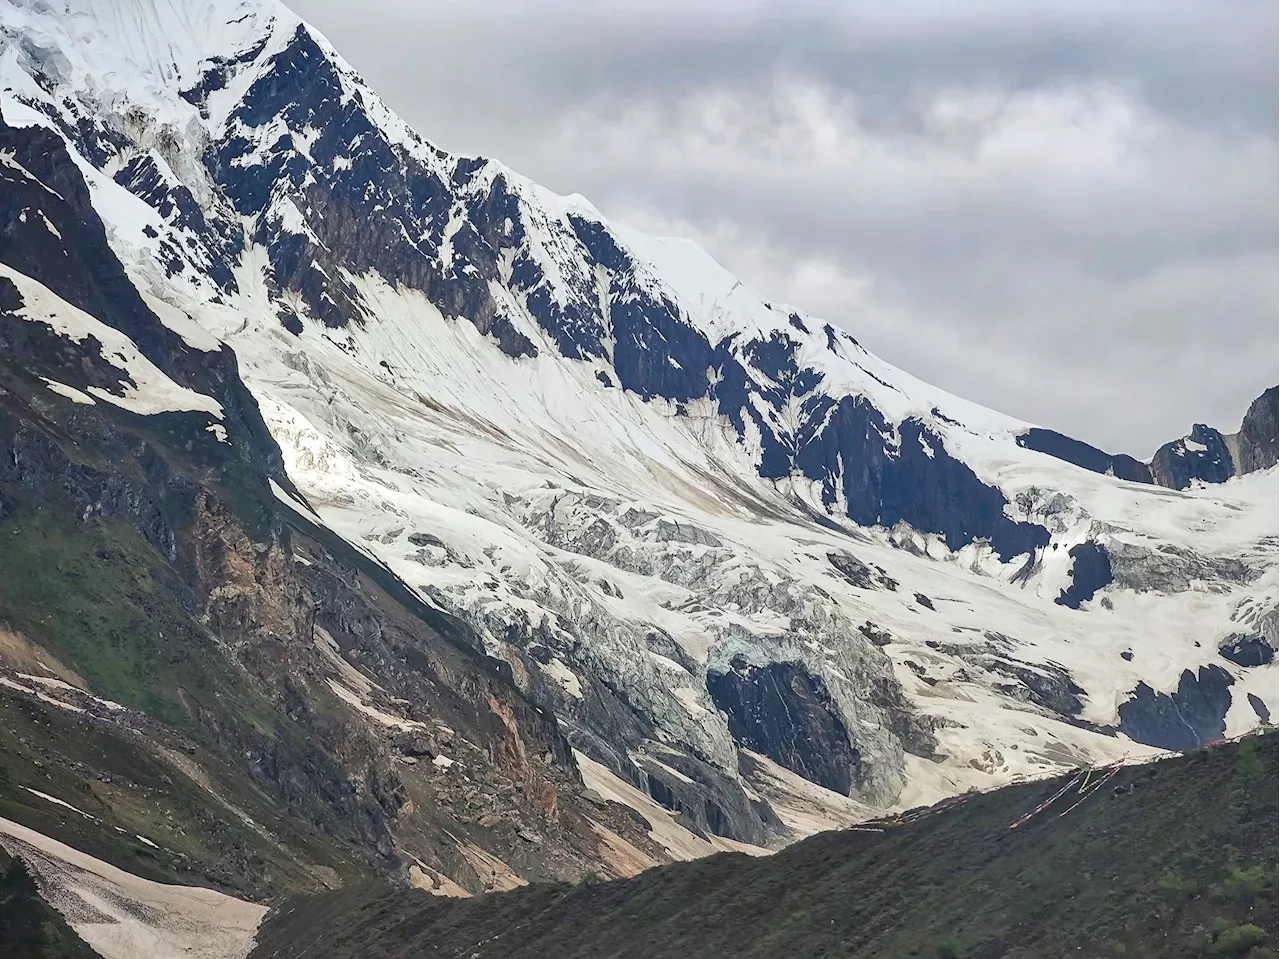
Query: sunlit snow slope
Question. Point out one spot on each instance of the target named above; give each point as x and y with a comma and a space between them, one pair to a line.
753, 570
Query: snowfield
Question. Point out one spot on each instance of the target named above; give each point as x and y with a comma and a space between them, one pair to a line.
123, 916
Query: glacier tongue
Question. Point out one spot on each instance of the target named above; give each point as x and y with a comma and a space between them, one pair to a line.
722, 542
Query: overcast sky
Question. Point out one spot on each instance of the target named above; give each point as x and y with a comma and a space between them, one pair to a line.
1063, 210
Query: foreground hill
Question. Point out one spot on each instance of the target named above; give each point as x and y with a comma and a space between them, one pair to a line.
1172, 859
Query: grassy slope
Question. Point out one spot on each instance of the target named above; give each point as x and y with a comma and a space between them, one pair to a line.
103, 599
1177, 867
109, 605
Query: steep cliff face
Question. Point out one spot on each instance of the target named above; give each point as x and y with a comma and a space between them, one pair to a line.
1255, 446
600, 474
1208, 456
1203, 455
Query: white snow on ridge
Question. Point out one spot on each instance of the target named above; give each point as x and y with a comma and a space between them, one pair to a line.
151, 390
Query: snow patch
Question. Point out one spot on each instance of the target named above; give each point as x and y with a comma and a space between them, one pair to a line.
151, 390
123, 916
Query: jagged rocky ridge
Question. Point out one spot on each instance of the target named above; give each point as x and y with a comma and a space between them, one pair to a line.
624, 473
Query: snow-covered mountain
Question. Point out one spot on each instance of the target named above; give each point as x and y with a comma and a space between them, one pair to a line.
756, 574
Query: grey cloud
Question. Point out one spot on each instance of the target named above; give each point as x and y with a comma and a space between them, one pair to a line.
1066, 211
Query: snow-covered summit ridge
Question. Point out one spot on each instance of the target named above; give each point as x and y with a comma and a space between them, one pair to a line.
152, 49
155, 55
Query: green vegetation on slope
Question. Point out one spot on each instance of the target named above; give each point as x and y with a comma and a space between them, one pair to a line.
107, 602
1170, 861
111, 607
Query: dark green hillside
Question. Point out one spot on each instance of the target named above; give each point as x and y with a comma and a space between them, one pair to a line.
1171, 860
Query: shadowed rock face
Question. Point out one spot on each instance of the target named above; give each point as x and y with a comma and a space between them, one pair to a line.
1209, 456
1090, 572
1259, 708
1256, 446
859, 574
921, 483
1203, 456
707, 801
783, 712
1206, 455
74, 260
1191, 716
1082, 454
1247, 650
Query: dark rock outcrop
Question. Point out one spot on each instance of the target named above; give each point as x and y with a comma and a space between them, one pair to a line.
1090, 572
1083, 455
1255, 446
1245, 650
921, 484
1209, 456
1203, 455
857, 573
1194, 714
881, 637
784, 712
706, 800
72, 258
1047, 685
1259, 708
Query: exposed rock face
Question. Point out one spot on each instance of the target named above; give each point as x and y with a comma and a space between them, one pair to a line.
859, 574
922, 484
1090, 572
1208, 456
1247, 650
1255, 446
1192, 715
1260, 708
1172, 568
1203, 455
784, 713
1048, 685
1083, 455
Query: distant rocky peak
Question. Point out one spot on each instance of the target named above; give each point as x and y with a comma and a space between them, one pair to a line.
1207, 455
